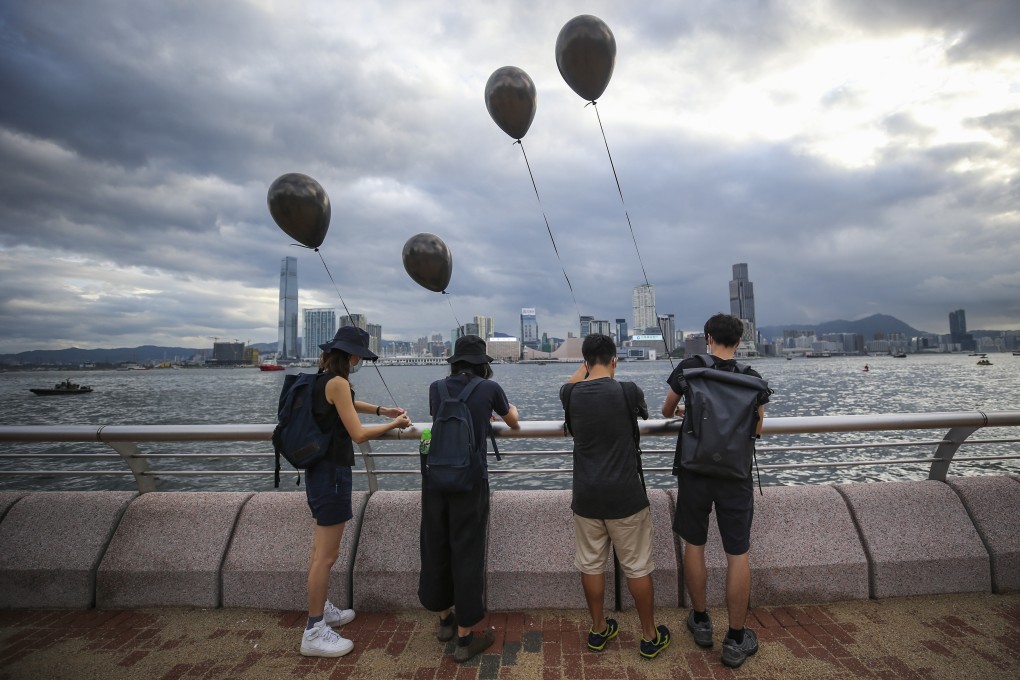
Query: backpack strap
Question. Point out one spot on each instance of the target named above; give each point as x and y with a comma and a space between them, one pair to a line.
475, 381
635, 430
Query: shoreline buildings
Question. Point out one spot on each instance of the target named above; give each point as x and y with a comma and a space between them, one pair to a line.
643, 308
319, 328
742, 307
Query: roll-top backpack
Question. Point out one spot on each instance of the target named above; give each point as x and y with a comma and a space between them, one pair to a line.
720, 421
454, 459
297, 436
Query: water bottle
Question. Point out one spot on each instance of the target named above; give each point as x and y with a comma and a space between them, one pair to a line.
426, 440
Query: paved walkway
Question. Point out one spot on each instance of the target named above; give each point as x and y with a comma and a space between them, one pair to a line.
955, 636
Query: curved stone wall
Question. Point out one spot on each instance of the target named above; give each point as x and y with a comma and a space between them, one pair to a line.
809, 544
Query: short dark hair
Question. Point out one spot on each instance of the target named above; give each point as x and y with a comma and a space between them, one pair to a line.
725, 329
598, 349
481, 370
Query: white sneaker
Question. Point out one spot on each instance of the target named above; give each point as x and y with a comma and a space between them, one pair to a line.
334, 616
321, 640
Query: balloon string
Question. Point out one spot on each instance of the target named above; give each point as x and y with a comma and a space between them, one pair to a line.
619, 190
549, 230
450, 301
351, 317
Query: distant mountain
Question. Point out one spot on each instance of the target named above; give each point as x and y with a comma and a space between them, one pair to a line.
74, 355
868, 327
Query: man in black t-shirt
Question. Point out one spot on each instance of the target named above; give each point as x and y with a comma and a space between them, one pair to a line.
734, 509
609, 501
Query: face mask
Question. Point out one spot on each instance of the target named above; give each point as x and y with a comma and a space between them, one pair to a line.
354, 368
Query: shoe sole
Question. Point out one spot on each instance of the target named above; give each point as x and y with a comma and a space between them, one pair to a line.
656, 653
325, 654
740, 663
706, 645
604, 642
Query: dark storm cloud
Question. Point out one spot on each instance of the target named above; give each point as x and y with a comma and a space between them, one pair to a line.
137, 141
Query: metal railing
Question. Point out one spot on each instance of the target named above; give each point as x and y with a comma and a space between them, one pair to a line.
124, 440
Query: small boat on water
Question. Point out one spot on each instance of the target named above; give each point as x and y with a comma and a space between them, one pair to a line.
984, 362
271, 367
899, 355
66, 387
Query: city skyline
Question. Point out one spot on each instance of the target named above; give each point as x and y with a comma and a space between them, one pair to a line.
859, 157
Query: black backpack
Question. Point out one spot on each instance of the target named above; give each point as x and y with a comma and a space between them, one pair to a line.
720, 421
297, 436
454, 459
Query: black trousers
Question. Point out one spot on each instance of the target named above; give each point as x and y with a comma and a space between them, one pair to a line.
453, 539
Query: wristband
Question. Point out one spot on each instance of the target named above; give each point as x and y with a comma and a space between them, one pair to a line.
377, 409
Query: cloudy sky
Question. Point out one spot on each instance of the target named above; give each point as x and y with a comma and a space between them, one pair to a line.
861, 156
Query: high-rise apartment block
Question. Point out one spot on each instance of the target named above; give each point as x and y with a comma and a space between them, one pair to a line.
287, 343
320, 327
586, 326
742, 294
643, 306
374, 337
621, 332
667, 325
529, 328
358, 320
486, 327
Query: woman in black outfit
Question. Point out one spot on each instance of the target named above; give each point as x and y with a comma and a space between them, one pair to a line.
328, 482
454, 524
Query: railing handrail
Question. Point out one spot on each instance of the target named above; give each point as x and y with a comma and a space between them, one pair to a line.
528, 429
124, 439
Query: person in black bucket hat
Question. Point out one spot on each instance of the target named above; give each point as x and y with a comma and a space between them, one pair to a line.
328, 483
352, 340
453, 523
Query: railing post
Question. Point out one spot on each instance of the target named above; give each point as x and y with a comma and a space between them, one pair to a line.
947, 449
139, 466
366, 456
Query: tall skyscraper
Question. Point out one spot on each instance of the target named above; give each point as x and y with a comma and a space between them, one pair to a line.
600, 326
529, 328
358, 320
643, 304
286, 344
621, 332
486, 327
586, 326
320, 327
742, 294
667, 323
958, 331
374, 337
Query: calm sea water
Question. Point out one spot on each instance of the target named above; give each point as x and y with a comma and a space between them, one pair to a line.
804, 387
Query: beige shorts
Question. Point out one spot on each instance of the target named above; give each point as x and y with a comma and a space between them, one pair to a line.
631, 536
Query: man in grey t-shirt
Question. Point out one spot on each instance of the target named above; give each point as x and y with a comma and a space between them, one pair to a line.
609, 501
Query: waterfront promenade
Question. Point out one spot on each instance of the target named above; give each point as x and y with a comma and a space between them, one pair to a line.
886, 580
951, 636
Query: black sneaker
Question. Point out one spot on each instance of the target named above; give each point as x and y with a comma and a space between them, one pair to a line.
733, 654
651, 648
479, 643
702, 632
597, 641
447, 628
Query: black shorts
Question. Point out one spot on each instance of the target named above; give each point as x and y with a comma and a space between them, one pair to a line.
734, 510
328, 489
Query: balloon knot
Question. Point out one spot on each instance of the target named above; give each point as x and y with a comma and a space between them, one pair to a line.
443, 292
518, 142
591, 103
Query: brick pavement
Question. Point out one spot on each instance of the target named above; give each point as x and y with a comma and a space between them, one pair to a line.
953, 636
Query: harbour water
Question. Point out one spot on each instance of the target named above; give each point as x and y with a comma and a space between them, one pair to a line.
803, 387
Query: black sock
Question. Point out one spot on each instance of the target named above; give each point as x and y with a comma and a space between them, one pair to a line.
700, 617
465, 640
447, 622
736, 635
312, 620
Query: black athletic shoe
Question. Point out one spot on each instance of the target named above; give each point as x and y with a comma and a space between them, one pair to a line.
702, 632
733, 654
651, 648
597, 641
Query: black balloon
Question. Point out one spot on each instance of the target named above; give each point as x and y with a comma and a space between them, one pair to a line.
511, 100
299, 205
428, 261
585, 55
